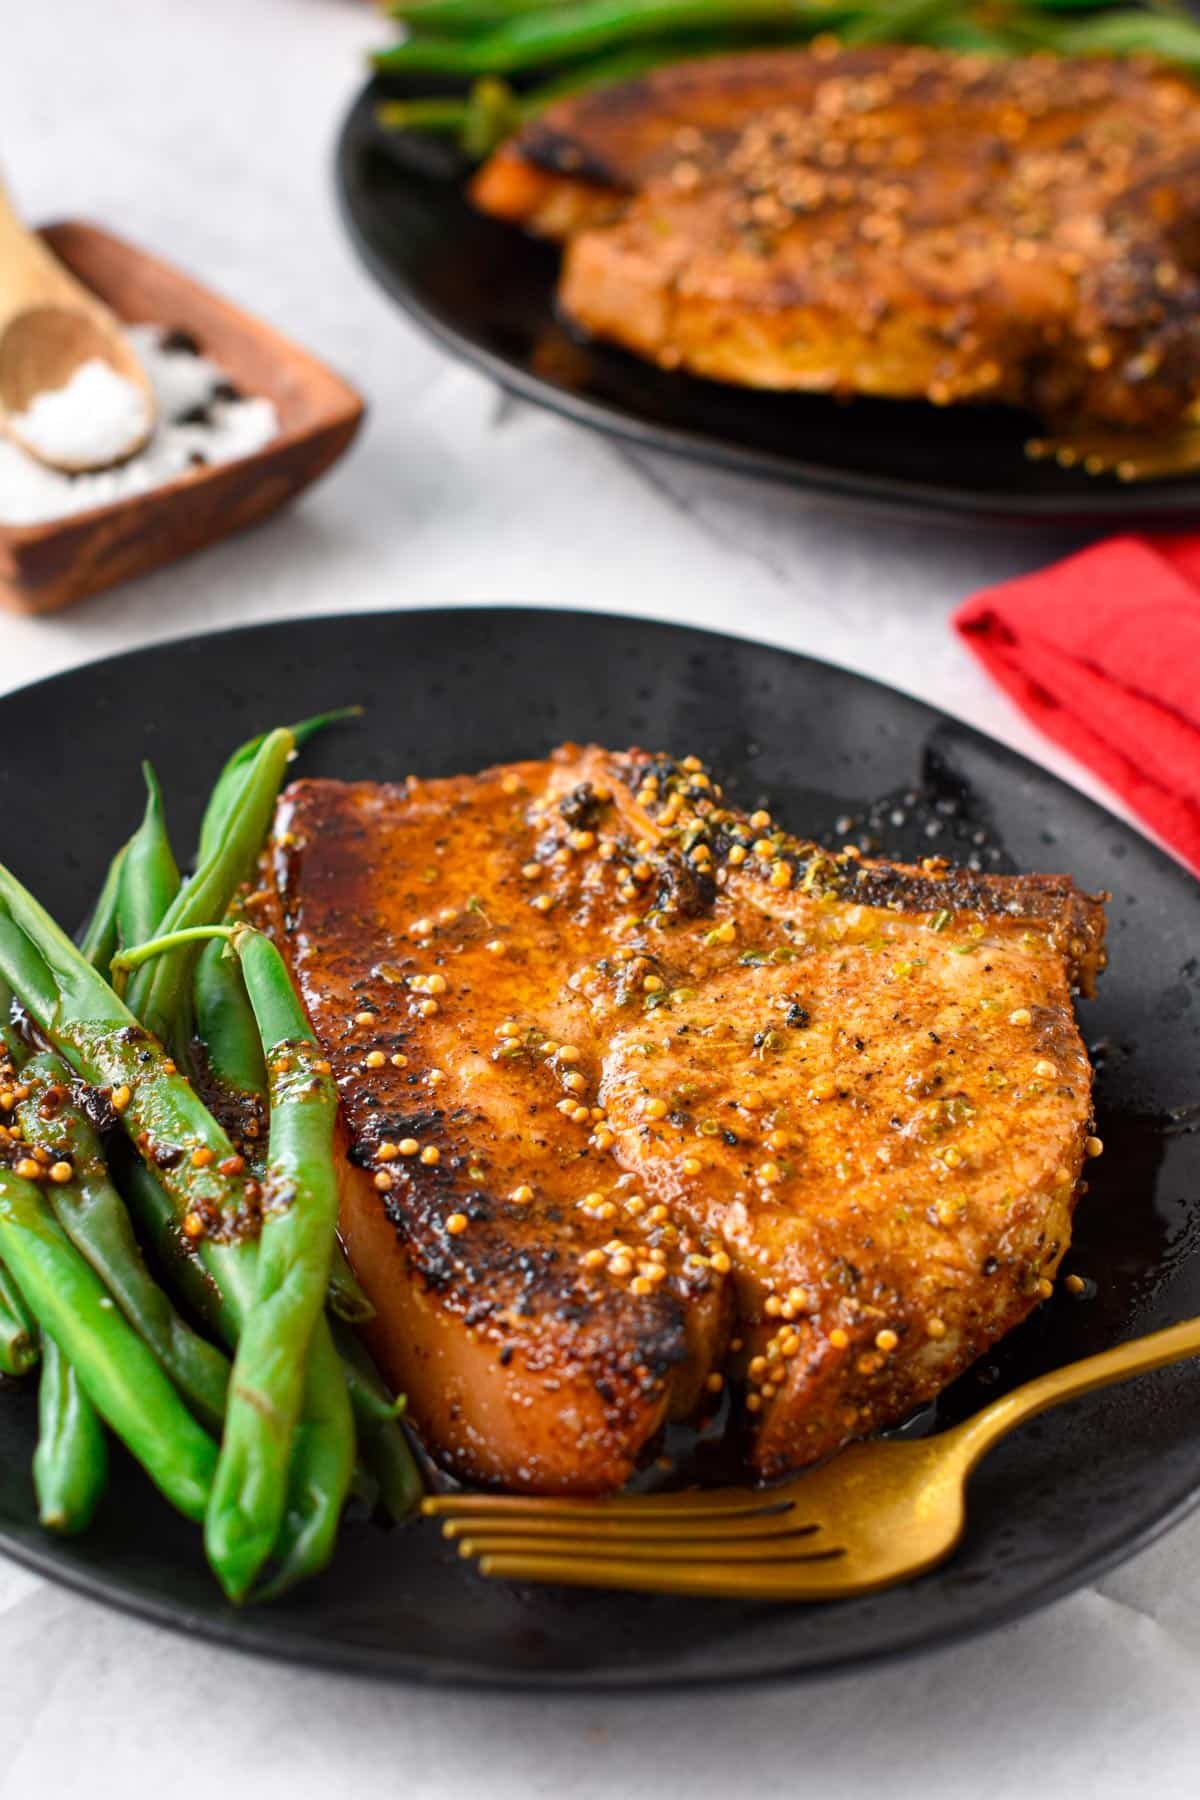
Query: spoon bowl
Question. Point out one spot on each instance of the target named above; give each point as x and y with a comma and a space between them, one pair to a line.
41, 350
51, 327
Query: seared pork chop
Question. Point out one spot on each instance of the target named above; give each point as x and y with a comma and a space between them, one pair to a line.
892, 221
640, 1092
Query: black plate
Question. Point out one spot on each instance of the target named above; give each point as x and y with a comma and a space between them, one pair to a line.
486, 292
454, 690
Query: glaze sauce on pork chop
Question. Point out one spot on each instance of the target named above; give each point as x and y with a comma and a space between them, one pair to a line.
891, 221
641, 1094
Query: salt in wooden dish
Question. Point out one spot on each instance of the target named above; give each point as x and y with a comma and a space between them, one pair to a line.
50, 565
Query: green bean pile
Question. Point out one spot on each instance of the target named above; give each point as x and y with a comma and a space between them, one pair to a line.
141, 1229
510, 59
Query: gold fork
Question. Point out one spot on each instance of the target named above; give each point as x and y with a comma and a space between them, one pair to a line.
879, 1513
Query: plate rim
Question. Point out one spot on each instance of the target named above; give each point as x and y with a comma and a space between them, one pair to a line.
396, 1666
261, 1637
892, 496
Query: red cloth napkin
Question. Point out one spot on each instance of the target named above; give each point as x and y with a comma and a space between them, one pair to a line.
1103, 654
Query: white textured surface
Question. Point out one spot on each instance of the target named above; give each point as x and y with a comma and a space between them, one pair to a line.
204, 132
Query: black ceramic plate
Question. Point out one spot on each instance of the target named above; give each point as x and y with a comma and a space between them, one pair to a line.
486, 291
834, 755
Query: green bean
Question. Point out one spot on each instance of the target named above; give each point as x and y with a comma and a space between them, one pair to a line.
298, 1223
321, 1472
18, 1333
898, 20
236, 1070
117, 1371
236, 1066
374, 1405
390, 1460
345, 1297
492, 111
224, 1019
99, 942
70, 1464
160, 993
92, 1027
322, 1457
347, 1300
10, 1038
536, 40
621, 65
94, 1217
295, 1246
441, 113
146, 1199
96, 1032
281, 1023
176, 1254
1176, 40
384, 1447
492, 38
280, 1020
225, 1024
472, 18
1058, 6
32, 981
149, 877
98, 1035
228, 784
1054, 6
967, 38
462, 18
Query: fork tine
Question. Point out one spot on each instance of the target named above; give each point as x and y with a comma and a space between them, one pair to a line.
782, 1551
691, 1505
726, 1527
830, 1579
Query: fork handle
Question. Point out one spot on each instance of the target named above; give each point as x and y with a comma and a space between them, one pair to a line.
977, 1435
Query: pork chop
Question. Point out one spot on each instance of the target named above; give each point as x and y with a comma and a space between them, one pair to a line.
895, 221
640, 1094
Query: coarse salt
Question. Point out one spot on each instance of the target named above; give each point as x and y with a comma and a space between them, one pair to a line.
201, 420
97, 417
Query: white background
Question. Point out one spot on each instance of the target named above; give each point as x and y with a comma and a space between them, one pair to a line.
203, 129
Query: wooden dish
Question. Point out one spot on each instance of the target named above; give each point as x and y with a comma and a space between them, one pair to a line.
52, 564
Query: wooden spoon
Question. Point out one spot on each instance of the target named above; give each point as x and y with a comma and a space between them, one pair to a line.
50, 326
